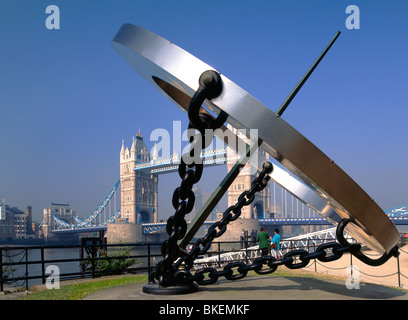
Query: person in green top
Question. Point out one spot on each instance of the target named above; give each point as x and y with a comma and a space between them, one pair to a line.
263, 238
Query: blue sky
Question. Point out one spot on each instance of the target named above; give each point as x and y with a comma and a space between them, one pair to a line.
67, 99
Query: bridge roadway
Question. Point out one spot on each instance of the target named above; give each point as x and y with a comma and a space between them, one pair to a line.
149, 228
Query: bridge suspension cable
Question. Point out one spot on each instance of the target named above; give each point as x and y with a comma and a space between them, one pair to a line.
90, 221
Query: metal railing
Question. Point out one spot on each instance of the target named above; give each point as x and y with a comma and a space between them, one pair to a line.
25, 266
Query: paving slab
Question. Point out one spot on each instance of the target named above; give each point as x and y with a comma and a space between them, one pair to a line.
262, 288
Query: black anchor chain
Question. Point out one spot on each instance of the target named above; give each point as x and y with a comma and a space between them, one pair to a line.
175, 268
210, 86
325, 252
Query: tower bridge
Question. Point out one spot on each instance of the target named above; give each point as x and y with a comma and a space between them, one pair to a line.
139, 174
138, 190
138, 185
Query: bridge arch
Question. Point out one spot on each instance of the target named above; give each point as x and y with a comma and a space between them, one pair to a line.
258, 211
143, 217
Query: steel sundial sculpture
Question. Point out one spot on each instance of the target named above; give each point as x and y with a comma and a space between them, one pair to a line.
316, 180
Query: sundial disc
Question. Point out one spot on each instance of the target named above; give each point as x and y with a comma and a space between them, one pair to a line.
320, 183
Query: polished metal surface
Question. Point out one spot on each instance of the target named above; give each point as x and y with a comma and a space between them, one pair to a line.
316, 179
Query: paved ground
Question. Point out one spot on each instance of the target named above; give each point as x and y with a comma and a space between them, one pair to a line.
262, 288
11, 292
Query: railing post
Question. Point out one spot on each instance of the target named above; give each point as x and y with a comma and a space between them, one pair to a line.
42, 265
315, 260
246, 252
148, 259
93, 247
399, 272
81, 258
351, 264
26, 264
1, 269
219, 254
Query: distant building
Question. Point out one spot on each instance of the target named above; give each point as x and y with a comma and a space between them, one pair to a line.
2, 208
6, 221
61, 211
23, 223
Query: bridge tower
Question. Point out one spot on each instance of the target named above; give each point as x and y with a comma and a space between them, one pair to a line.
260, 207
139, 190
248, 224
